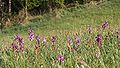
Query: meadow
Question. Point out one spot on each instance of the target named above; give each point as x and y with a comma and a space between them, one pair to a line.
80, 37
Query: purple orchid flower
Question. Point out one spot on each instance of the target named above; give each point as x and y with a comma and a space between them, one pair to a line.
21, 43
60, 58
31, 34
105, 24
18, 41
99, 40
53, 39
77, 40
70, 42
43, 40
15, 46
117, 33
18, 37
37, 39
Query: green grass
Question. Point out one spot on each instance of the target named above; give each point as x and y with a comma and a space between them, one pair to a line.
72, 21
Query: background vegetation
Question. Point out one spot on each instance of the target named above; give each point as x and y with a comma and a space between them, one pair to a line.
18, 11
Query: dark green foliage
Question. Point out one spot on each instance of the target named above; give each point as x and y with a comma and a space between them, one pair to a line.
73, 1
33, 4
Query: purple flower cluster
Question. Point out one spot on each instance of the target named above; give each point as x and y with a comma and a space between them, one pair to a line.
99, 40
70, 42
31, 34
77, 40
60, 58
105, 24
15, 46
53, 39
37, 39
43, 40
18, 41
18, 37
21, 43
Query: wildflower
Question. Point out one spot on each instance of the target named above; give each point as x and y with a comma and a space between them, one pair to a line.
89, 29
18, 37
37, 44
105, 24
31, 34
37, 39
70, 42
99, 40
21, 48
21, 43
77, 40
60, 58
14, 46
119, 44
18, 41
53, 39
43, 40
117, 33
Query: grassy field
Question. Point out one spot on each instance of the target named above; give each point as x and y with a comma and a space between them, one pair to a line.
59, 52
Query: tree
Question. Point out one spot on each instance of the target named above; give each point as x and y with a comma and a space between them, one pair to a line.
1, 15
26, 13
9, 7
